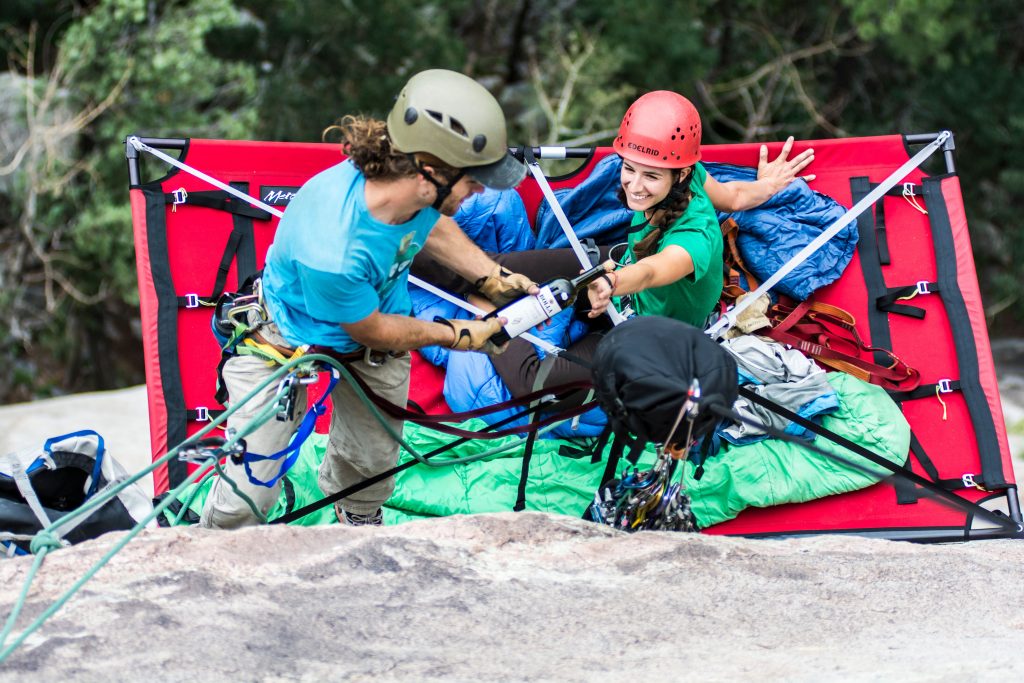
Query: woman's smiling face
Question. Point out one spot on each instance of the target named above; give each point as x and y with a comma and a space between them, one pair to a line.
644, 185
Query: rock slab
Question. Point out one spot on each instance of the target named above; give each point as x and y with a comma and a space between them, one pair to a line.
519, 597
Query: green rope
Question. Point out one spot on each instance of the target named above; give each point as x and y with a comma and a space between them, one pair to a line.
191, 498
44, 548
47, 540
238, 492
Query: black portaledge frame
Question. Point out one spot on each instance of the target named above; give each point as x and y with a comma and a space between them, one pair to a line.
924, 138
132, 155
916, 534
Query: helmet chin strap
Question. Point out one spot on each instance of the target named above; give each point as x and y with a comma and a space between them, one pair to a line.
443, 189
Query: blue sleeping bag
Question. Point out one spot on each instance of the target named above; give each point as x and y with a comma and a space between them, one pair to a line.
774, 232
592, 207
497, 222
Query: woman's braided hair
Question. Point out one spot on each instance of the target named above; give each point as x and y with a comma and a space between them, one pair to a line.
668, 212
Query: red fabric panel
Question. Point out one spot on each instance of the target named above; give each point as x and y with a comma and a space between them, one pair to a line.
151, 357
196, 238
426, 386
967, 276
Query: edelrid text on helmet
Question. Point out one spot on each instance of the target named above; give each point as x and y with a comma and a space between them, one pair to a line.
660, 129
643, 150
454, 118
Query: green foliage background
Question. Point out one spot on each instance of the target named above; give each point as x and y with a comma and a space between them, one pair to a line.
565, 70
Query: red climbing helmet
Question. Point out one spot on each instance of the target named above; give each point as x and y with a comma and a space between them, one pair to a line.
660, 129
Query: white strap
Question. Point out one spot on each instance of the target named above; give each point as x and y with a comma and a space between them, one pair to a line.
728, 319
138, 144
570, 234
20, 477
143, 147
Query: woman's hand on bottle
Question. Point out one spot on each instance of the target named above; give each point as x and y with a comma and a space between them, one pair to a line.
601, 290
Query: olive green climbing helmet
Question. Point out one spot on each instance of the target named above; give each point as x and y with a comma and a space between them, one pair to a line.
456, 119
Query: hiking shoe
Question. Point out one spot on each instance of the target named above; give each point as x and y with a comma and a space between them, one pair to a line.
352, 519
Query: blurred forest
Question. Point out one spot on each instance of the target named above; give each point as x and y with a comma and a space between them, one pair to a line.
81, 75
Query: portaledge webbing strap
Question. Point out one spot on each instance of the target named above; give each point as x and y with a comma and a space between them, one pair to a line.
563, 222
963, 335
168, 364
880, 234
219, 200
240, 247
872, 257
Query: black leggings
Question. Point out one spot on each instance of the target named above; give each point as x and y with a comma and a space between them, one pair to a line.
519, 365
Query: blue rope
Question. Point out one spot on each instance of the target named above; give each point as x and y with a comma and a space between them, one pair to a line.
290, 453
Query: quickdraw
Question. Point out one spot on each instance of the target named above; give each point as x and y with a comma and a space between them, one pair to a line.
653, 499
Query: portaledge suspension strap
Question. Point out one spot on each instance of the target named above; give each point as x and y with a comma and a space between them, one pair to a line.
570, 234
728, 318
138, 144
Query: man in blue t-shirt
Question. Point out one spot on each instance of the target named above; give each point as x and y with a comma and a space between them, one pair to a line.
336, 277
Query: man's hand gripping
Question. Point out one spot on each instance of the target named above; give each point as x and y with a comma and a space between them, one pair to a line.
475, 335
501, 286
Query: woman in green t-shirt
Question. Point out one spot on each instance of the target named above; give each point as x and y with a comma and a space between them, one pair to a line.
674, 254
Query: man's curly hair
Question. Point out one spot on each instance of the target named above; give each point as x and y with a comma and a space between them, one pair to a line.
365, 140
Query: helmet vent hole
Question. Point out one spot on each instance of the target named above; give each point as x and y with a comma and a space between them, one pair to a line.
411, 116
436, 115
479, 142
458, 128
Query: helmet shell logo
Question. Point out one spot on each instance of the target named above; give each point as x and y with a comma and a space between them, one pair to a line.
642, 149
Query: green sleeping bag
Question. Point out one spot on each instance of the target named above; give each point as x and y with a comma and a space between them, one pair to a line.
563, 476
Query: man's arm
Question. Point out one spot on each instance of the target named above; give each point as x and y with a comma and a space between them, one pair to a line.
398, 332
450, 247
401, 333
772, 177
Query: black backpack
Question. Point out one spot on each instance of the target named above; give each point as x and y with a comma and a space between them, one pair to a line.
643, 370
